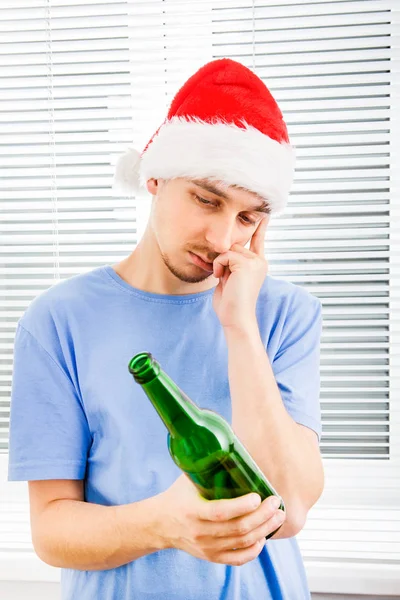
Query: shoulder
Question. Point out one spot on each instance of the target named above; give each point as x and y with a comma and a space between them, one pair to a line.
51, 309
287, 312
292, 319
287, 298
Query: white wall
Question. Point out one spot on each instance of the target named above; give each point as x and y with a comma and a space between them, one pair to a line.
29, 590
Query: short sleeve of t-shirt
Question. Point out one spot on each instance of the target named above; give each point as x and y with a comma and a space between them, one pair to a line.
49, 433
296, 365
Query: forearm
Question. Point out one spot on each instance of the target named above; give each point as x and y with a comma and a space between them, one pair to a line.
262, 423
86, 536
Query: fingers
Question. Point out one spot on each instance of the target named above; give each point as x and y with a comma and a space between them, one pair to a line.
228, 531
258, 238
233, 258
237, 558
244, 525
224, 510
228, 260
239, 549
259, 533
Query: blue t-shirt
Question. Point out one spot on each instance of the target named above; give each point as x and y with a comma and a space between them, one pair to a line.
77, 413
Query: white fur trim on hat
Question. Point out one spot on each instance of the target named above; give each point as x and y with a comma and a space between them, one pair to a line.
127, 172
223, 152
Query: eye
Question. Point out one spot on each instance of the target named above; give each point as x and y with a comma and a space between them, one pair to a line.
203, 201
245, 220
248, 221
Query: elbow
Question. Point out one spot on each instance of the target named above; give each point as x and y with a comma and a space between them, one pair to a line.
315, 490
319, 481
296, 517
294, 523
57, 556
45, 554
310, 491
290, 528
297, 512
298, 523
46, 557
44, 545
298, 509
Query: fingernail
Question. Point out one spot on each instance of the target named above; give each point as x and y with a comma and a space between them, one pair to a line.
276, 502
255, 500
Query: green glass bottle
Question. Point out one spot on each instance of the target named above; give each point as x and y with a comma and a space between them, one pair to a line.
201, 442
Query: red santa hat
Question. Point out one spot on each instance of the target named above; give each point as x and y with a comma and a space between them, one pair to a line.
223, 125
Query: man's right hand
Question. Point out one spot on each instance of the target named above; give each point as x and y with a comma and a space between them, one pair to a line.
230, 532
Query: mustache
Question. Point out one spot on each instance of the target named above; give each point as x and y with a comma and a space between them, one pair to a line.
206, 254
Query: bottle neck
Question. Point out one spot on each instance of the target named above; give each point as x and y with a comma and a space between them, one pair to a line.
179, 414
177, 411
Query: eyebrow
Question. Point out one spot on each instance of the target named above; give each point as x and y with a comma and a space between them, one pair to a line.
264, 207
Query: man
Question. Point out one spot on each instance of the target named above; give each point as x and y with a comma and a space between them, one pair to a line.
108, 505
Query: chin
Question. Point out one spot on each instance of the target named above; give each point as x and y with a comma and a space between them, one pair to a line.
190, 274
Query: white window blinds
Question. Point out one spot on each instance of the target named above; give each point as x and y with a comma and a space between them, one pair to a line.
82, 80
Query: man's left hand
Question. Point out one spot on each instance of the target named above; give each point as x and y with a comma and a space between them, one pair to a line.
241, 273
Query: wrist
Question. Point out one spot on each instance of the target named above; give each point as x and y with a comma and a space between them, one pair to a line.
247, 329
140, 524
160, 527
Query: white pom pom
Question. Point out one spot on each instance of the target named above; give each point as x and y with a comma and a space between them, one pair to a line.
127, 172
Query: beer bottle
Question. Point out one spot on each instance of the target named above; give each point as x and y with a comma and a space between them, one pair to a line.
200, 441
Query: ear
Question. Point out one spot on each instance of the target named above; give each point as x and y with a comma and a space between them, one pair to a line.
152, 186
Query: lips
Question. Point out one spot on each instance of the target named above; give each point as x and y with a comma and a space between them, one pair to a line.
198, 260
204, 260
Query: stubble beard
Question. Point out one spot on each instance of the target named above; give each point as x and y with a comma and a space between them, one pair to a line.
182, 276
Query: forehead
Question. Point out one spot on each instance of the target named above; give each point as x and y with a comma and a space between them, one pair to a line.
225, 190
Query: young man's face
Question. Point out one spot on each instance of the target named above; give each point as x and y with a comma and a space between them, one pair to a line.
188, 220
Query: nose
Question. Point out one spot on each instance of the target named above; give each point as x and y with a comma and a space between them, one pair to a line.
220, 235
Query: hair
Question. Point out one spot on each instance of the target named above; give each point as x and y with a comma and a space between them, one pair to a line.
222, 184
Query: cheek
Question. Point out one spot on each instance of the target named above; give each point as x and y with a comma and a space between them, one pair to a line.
180, 224
172, 226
